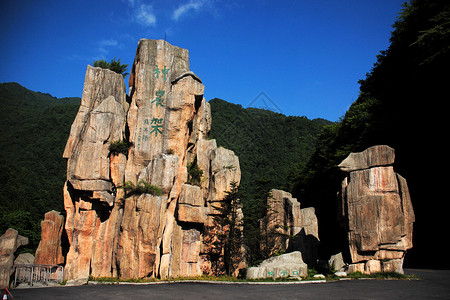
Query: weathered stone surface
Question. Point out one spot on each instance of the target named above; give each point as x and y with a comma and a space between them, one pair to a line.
166, 122
161, 171
285, 218
191, 206
376, 209
118, 163
289, 264
336, 262
340, 274
225, 169
93, 232
100, 120
49, 251
9, 242
141, 233
24, 259
375, 156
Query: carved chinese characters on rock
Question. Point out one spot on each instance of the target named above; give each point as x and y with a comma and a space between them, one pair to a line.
157, 121
154, 126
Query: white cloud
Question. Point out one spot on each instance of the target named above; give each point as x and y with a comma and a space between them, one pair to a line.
145, 15
131, 2
108, 43
141, 13
104, 45
192, 5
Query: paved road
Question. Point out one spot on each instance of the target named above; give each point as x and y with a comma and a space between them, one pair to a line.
435, 284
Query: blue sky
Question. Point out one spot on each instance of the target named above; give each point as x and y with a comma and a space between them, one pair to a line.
300, 58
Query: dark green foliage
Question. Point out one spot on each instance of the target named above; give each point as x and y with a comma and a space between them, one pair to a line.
194, 174
141, 188
35, 128
268, 144
114, 65
401, 104
117, 147
231, 238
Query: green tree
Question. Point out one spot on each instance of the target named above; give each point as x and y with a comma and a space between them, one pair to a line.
114, 65
231, 223
194, 173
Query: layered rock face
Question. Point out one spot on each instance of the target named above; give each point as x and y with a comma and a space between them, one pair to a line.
49, 251
287, 227
376, 211
166, 122
9, 242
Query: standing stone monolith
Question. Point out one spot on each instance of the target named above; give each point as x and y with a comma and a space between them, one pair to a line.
165, 121
376, 211
287, 227
49, 251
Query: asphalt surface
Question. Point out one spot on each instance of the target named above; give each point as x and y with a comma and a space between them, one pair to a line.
434, 284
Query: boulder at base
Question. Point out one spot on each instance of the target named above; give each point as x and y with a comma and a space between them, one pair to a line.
285, 265
9, 242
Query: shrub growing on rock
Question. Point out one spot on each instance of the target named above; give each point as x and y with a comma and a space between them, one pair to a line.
142, 187
117, 147
114, 65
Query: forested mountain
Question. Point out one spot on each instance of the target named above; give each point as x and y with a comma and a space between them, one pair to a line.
270, 145
401, 104
272, 149
34, 129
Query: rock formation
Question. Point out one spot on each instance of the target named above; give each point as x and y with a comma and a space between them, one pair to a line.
376, 210
165, 122
49, 251
285, 265
24, 259
9, 242
286, 227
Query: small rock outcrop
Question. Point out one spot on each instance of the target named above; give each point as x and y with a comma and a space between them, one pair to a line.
9, 242
376, 211
49, 251
24, 259
336, 262
285, 265
287, 227
164, 122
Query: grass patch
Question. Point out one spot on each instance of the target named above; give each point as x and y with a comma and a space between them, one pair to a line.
118, 279
224, 278
141, 188
381, 275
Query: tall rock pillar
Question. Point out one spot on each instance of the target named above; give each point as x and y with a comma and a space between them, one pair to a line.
165, 121
376, 211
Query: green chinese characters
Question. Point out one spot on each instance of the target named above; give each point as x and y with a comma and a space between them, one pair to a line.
159, 98
164, 71
156, 126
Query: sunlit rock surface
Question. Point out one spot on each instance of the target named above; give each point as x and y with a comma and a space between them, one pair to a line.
166, 122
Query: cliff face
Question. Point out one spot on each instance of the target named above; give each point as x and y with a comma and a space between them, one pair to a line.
166, 121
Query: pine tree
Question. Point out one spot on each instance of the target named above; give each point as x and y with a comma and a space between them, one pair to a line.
231, 222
